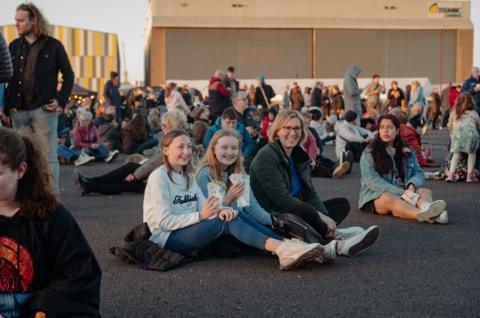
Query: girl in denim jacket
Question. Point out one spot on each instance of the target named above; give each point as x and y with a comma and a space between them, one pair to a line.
392, 181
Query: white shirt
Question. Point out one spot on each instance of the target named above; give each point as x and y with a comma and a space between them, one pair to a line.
168, 206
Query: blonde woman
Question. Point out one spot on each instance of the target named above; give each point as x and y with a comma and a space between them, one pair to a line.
280, 179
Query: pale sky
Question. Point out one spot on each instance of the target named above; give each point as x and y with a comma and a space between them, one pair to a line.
127, 19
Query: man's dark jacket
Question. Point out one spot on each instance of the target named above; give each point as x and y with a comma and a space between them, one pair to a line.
52, 58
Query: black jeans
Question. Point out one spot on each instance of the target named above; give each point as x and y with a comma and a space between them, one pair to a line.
356, 148
114, 182
338, 209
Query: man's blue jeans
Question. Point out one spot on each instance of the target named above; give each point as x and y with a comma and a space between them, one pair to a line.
41, 127
187, 240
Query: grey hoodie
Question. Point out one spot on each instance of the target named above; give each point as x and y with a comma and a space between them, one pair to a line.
351, 91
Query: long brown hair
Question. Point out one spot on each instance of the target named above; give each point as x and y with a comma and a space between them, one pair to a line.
35, 192
210, 160
381, 159
186, 170
463, 103
170, 88
41, 25
137, 128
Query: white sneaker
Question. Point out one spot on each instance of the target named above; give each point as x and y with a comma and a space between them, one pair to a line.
360, 242
83, 159
435, 209
329, 253
348, 232
441, 219
341, 169
292, 254
112, 155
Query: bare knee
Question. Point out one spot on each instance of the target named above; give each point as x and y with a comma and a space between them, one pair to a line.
384, 203
424, 192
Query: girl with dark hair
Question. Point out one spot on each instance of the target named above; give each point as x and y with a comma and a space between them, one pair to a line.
135, 136
182, 220
46, 265
392, 181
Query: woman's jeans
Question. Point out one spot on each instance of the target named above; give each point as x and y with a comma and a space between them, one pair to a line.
193, 237
150, 143
100, 154
114, 181
10, 304
66, 153
338, 209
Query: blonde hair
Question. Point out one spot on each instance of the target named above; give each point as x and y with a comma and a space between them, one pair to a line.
41, 25
175, 120
282, 117
210, 160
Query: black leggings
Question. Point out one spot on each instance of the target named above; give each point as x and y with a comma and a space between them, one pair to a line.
338, 209
114, 182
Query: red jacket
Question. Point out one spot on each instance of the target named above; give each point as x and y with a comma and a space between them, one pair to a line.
265, 124
84, 137
413, 139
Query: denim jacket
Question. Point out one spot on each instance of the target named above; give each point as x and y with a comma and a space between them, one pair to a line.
373, 184
254, 210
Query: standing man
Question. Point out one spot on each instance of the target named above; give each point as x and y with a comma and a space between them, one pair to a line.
373, 91
112, 97
32, 98
472, 86
230, 81
263, 93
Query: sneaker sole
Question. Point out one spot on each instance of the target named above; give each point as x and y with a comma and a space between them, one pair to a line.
369, 239
312, 254
436, 208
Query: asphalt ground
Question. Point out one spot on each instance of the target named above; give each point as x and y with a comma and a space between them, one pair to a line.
414, 270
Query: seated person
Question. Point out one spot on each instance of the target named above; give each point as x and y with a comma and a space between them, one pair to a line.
410, 136
392, 181
182, 220
109, 129
351, 139
281, 182
132, 176
321, 166
86, 139
47, 267
229, 120
135, 136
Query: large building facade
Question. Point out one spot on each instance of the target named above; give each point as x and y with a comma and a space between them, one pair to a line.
189, 39
93, 54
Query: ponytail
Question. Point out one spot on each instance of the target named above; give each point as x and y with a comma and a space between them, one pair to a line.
35, 192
